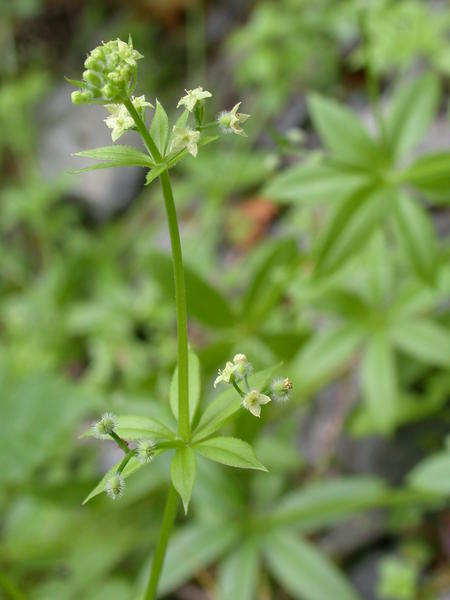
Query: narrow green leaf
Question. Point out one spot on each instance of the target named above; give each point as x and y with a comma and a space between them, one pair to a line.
194, 387
324, 503
325, 355
303, 571
133, 427
192, 548
268, 281
154, 173
183, 470
425, 340
311, 183
230, 451
411, 113
222, 409
343, 133
159, 129
430, 174
351, 226
238, 577
416, 235
379, 382
432, 474
124, 156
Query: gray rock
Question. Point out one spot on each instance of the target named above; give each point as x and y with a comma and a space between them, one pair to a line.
66, 129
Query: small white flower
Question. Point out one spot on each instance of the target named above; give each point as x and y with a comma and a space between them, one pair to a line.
281, 389
192, 97
145, 451
225, 374
115, 486
120, 119
243, 367
106, 425
184, 137
253, 401
230, 120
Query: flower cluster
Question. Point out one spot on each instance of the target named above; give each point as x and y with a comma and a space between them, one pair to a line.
238, 370
120, 119
109, 79
110, 71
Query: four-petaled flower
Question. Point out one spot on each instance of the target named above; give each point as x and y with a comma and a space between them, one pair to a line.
120, 119
230, 120
184, 137
253, 401
191, 98
226, 374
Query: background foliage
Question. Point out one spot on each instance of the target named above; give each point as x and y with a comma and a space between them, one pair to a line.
322, 244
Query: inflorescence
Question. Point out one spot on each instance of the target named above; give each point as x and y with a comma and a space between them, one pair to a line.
237, 371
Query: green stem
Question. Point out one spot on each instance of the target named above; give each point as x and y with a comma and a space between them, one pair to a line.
145, 134
182, 340
180, 299
160, 551
180, 288
10, 587
125, 461
119, 441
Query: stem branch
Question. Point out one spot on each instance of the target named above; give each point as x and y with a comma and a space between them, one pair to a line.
160, 551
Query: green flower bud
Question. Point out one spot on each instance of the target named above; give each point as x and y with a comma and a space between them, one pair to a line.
115, 486
106, 425
145, 451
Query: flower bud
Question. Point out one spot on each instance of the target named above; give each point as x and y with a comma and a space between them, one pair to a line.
242, 366
145, 451
281, 389
106, 425
115, 486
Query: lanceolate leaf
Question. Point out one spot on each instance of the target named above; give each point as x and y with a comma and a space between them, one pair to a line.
221, 410
238, 578
230, 451
416, 235
325, 503
183, 470
325, 355
350, 227
430, 174
192, 548
311, 183
133, 427
154, 173
432, 474
425, 340
117, 156
194, 386
303, 571
159, 129
343, 133
379, 382
411, 113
